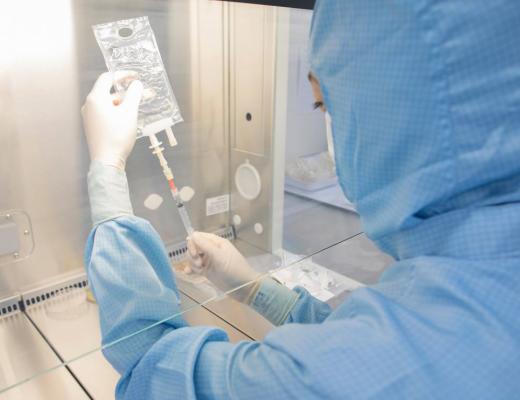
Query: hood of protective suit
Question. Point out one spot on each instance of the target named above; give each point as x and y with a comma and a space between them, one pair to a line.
425, 105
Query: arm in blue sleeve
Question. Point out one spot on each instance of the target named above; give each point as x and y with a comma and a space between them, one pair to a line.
131, 278
128, 270
156, 353
144, 338
343, 357
280, 305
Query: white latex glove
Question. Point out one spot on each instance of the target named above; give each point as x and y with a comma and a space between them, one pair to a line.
111, 124
222, 264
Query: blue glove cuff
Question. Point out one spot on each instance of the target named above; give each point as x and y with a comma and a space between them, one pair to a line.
273, 300
108, 193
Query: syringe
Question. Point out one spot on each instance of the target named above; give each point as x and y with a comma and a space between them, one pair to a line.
180, 208
157, 150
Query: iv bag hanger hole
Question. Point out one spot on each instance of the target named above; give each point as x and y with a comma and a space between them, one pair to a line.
125, 32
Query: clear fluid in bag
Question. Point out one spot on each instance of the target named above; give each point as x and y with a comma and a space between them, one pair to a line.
129, 45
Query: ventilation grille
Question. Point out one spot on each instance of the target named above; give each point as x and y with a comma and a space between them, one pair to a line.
177, 252
39, 295
10, 305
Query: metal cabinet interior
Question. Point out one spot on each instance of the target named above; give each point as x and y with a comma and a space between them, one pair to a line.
50, 67
24, 354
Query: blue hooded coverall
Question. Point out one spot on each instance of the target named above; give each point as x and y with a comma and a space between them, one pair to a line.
425, 103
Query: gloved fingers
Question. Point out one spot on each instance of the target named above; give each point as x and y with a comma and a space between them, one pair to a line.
133, 95
103, 84
192, 248
207, 242
200, 241
116, 99
198, 269
204, 248
106, 80
124, 77
195, 256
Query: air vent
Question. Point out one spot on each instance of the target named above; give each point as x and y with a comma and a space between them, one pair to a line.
42, 294
10, 305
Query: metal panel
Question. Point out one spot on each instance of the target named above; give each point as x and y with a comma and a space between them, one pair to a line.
56, 385
311, 227
9, 242
24, 354
92, 370
237, 314
251, 68
48, 65
357, 258
43, 153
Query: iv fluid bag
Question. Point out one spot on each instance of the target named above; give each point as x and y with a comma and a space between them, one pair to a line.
130, 45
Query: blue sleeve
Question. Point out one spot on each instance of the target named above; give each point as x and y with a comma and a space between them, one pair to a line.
359, 351
280, 305
308, 309
108, 193
157, 355
164, 358
131, 278
142, 332
146, 340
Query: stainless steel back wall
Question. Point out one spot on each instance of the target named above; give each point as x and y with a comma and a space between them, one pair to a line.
48, 64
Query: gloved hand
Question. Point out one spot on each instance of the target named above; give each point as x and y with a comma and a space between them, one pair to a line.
222, 264
111, 124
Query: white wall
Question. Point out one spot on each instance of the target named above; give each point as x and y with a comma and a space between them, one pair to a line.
305, 126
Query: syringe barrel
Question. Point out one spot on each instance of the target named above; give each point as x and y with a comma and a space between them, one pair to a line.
176, 197
185, 219
182, 212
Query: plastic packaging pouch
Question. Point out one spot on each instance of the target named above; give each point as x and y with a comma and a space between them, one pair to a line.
130, 45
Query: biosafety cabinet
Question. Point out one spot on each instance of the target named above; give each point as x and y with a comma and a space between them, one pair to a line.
253, 157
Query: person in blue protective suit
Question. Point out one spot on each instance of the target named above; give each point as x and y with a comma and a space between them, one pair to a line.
424, 98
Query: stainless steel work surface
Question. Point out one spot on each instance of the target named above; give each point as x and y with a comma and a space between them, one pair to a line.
239, 315
310, 226
23, 354
55, 385
356, 258
235, 313
76, 333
